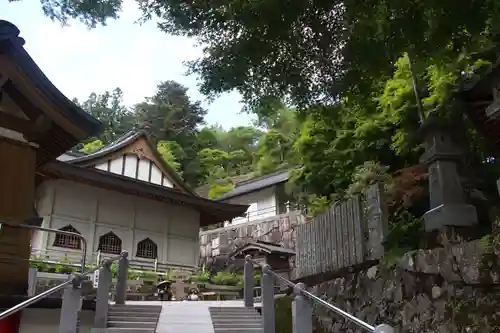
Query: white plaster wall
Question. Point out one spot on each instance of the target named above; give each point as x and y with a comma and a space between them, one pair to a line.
262, 205
143, 169
47, 321
95, 212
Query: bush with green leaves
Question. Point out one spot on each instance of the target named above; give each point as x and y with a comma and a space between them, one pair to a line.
227, 279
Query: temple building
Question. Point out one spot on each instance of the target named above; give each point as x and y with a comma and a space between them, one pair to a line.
123, 197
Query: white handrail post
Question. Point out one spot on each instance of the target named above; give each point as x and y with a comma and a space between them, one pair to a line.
248, 281
301, 311
268, 309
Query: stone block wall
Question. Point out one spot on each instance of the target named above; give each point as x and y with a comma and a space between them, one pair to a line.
217, 244
444, 290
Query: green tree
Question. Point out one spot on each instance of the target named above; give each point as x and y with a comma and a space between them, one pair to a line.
108, 107
166, 149
315, 49
170, 115
275, 147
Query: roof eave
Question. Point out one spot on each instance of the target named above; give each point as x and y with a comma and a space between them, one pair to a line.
229, 196
215, 211
12, 44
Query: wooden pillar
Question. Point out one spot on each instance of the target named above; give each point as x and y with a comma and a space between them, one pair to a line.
17, 187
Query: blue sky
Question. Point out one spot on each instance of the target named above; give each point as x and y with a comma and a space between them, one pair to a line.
122, 54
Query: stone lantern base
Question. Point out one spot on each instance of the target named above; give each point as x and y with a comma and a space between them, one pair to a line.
460, 215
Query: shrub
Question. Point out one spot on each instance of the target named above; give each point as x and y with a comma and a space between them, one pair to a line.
227, 279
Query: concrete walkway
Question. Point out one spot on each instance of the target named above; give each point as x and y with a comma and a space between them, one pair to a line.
187, 317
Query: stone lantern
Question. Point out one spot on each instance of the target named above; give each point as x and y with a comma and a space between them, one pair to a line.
448, 206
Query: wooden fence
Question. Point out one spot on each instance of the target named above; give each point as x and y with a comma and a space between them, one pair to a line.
350, 233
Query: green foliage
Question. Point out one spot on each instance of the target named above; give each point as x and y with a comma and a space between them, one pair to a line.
92, 146
367, 174
217, 190
89, 12
200, 276
108, 108
166, 149
406, 231
305, 55
283, 320
227, 279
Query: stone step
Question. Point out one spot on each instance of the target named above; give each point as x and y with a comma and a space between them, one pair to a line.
123, 314
238, 330
242, 313
133, 318
235, 316
239, 326
127, 324
235, 308
245, 318
135, 306
122, 330
152, 309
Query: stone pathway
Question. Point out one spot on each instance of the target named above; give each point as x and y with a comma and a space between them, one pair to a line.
187, 317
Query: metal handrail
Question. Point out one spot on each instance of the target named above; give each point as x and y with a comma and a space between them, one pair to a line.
57, 231
315, 298
49, 292
33, 299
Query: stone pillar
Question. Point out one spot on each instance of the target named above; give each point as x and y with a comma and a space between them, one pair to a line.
268, 307
103, 289
17, 179
121, 279
32, 282
377, 220
248, 282
447, 199
301, 311
71, 306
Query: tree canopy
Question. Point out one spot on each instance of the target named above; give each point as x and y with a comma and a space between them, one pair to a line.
202, 154
307, 51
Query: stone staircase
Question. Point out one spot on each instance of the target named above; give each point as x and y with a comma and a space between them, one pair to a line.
133, 318
236, 320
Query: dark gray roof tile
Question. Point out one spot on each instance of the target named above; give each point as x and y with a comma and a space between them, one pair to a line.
256, 184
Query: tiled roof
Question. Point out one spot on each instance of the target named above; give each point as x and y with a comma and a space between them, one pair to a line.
122, 142
269, 248
256, 184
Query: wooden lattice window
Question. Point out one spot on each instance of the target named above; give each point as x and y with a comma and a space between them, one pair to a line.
146, 248
68, 241
110, 243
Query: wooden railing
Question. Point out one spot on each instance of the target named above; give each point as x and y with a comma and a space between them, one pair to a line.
350, 233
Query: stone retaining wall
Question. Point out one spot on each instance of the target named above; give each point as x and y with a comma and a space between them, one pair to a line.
217, 244
453, 289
